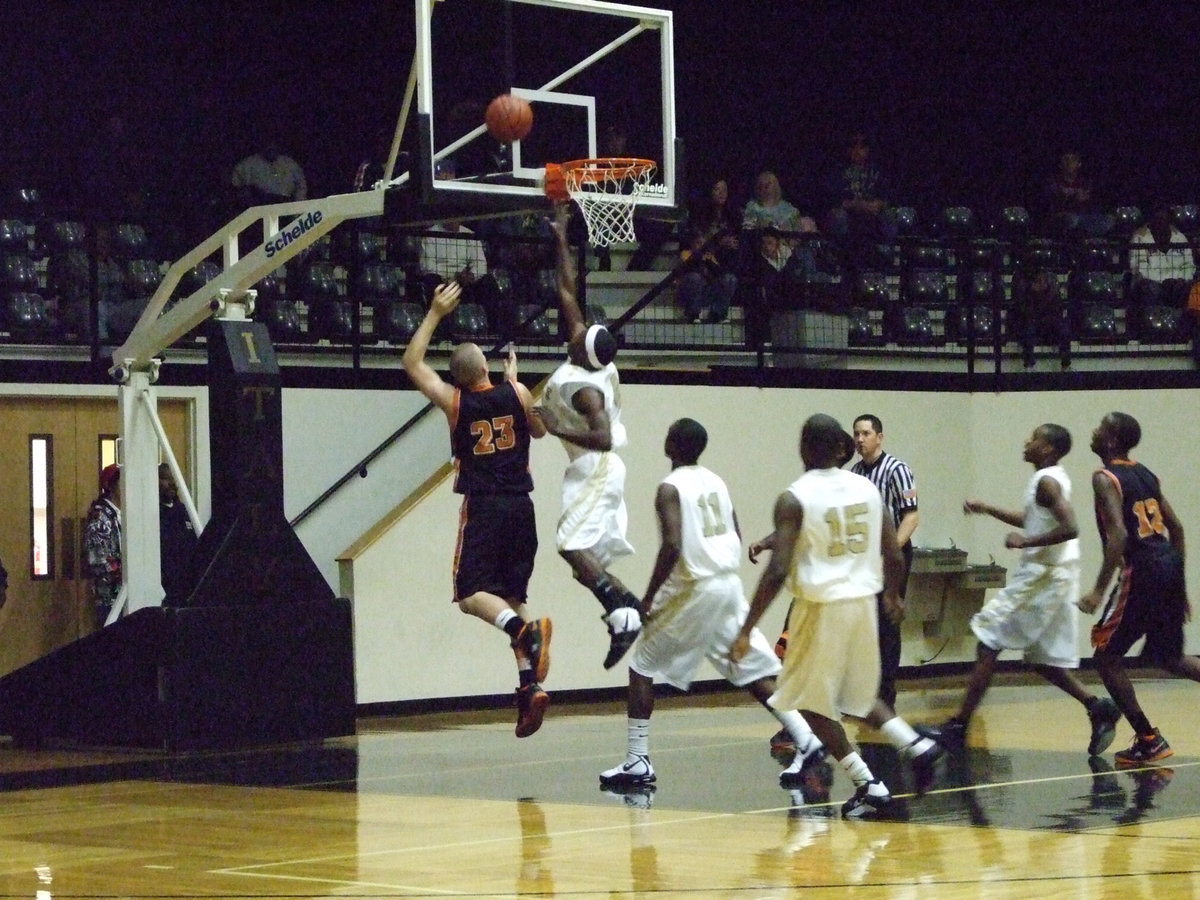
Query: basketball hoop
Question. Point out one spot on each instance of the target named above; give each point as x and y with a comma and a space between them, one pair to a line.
606, 190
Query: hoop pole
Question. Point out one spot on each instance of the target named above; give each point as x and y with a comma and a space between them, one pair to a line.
164, 443
410, 90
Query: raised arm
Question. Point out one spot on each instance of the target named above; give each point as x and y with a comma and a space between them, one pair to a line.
429, 382
567, 282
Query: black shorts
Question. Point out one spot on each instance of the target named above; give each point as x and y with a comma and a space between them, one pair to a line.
497, 542
1151, 600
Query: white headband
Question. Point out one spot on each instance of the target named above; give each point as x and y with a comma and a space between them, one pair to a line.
589, 344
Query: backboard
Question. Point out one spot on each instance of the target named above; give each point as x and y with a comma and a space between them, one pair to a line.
599, 77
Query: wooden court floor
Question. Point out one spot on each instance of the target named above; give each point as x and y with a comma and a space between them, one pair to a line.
454, 806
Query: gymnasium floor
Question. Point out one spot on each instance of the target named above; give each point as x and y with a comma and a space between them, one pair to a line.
454, 806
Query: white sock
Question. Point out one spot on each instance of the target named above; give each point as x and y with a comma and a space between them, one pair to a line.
503, 618
639, 737
797, 727
903, 737
857, 768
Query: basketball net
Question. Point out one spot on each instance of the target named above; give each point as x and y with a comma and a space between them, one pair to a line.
606, 191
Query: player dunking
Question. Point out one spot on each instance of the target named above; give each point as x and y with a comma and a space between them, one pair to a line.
581, 406
490, 430
1143, 541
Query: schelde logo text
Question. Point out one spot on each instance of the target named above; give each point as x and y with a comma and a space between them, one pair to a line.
293, 232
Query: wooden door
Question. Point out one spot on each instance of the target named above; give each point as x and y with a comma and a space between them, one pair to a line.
49, 593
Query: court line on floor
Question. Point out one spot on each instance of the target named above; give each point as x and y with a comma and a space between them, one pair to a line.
258, 870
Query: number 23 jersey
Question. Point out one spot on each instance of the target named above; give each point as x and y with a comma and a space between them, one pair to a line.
489, 437
838, 550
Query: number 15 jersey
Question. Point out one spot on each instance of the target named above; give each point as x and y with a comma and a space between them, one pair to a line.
838, 550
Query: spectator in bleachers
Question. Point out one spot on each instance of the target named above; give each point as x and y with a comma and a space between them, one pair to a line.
268, 176
709, 289
774, 273
769, 208
1162, 262
1039, 311
1072, 210
858, 194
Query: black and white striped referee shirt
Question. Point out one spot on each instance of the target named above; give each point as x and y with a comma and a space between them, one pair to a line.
895, 482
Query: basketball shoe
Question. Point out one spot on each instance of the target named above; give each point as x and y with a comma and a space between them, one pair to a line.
924, 767
1146, 748
1104, 716
620, 641
950, 735
635, 772
534, 644
531, 707
865, 805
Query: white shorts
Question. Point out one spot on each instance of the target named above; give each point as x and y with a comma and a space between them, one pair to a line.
832, 662
1035, 612
701, 622
593, 507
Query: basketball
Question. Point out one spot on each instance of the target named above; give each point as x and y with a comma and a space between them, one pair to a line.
509, 118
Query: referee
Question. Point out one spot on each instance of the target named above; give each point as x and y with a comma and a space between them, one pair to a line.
895, 481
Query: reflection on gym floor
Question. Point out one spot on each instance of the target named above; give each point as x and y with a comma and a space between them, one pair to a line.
453, 805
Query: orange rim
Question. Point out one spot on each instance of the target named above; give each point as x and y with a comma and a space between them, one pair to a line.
556, 183
592, 170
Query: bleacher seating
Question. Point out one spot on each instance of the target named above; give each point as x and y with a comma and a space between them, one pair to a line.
68, 277
1186, 217
329, 314
1096, 298
383, 287
938, 287
277, 311
26, 315
468, 322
